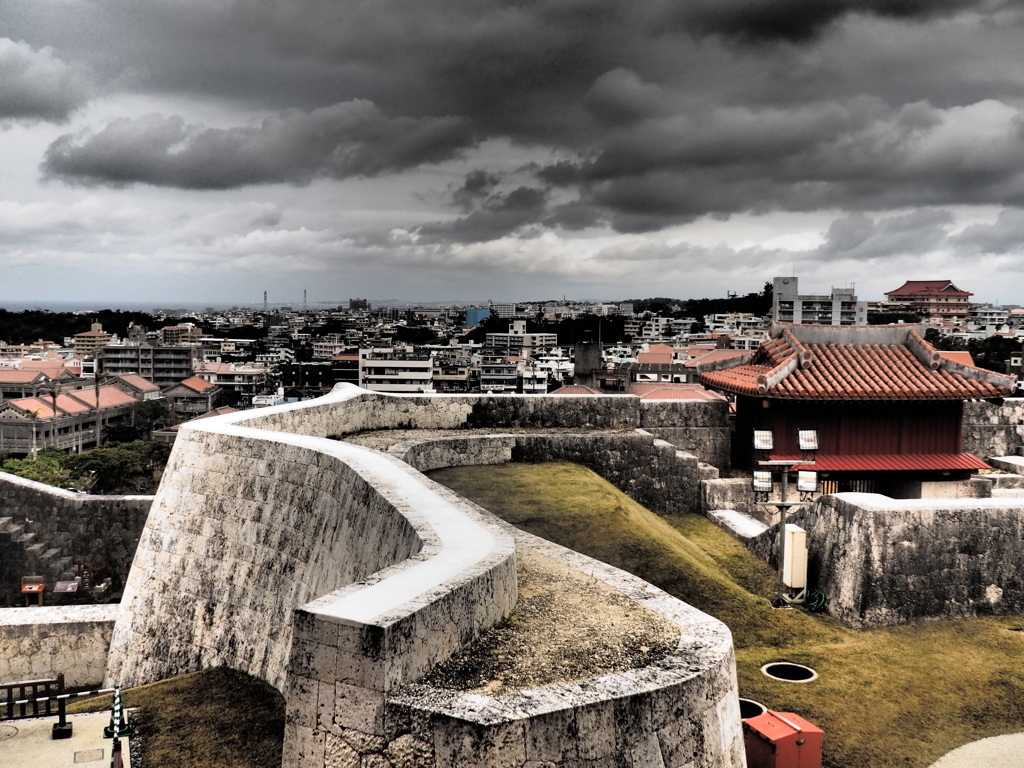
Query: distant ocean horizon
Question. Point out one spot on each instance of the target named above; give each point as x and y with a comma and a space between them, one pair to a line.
114, 304
190, 306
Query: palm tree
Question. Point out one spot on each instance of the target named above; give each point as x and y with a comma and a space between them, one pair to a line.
54, 390
96, 386
34, 415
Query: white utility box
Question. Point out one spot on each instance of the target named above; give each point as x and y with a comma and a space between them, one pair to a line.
794, 564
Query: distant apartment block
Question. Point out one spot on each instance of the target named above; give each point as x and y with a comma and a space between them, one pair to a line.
986, 314
163, 366
245, 381
452, 375
504, 311
88, 342
396, 369
518, 342
180, 335
327, 346
498, 374
840, 307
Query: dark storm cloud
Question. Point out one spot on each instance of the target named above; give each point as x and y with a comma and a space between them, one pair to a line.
37, 85
1004, 236
344, 140
476, 188
660, 112
498, 215
800, 20
861, 155
862, 237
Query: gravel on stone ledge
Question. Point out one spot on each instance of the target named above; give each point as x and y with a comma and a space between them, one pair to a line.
567, 626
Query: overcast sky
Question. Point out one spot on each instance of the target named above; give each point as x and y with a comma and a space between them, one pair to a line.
208, 150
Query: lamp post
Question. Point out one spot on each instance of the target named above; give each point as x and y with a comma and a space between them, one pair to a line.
764, 443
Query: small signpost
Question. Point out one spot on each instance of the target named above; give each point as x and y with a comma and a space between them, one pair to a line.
118, 727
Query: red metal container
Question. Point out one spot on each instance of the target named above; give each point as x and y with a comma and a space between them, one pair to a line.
782, 740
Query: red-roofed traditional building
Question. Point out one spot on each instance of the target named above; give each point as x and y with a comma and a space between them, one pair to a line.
935, 299
881, 399
192, 397
136, 386
32, 423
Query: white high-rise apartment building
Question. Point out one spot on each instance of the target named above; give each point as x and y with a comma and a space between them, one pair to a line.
837, 308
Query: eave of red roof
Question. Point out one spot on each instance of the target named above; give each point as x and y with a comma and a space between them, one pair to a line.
892, 462
846, 372
928, 287
576, 389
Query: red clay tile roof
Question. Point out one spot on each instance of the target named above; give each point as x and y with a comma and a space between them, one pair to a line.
109, 397
927, 287
785, 368
892, 462
705, 358
196, 384
34, 405
15, 376
576, 389
964, 358
665, 391
135, 381
680, 394
79, 401
659, 354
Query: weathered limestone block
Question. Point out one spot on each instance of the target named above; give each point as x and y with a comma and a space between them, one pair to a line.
730, 493
43, 642
883, 561
993, 430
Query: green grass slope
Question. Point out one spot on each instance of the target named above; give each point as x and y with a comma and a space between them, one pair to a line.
218, 718
899, 696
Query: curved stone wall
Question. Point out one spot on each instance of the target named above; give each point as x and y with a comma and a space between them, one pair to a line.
650, 471
682, 711
249, 524
341, 575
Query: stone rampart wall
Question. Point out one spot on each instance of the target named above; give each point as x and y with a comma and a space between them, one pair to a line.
39, 643
97, 529
695, 426
993, 430
681, 712
882, 561
651, 471
341, 575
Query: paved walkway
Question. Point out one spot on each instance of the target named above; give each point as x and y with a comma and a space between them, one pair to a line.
995, 752
27, 743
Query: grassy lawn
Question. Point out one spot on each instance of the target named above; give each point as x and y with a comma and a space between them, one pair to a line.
900, 696
218, 718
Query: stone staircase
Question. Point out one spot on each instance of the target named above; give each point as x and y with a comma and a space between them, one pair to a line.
47, 559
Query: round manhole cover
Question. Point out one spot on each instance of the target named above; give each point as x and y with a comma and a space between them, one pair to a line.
750, 708
7, 732
788, 672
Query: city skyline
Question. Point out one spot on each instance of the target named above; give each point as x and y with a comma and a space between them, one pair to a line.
204, 152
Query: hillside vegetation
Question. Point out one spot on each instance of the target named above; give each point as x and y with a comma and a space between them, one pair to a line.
900, 696
217, 718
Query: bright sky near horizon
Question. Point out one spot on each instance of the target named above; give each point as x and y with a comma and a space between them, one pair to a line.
465, 150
